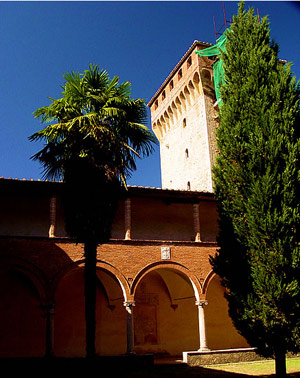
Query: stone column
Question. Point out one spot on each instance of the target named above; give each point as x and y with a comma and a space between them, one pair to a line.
130, 326
196, 216
49, 313
201, 319
52, 217
127, 219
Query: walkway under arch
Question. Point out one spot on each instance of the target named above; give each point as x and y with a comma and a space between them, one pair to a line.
165, 315
23, 296
69, 319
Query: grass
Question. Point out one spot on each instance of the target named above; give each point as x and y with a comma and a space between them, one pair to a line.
257, 368
118, 369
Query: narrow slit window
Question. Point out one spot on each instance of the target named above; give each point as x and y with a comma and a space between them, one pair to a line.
171, 85
179, 74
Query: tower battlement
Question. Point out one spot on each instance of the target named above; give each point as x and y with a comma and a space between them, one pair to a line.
184, 119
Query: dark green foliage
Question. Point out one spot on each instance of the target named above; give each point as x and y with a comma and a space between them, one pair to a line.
257, 189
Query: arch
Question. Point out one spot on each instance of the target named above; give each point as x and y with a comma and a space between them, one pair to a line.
207, 82
178, 104
221, 333
30, 271
191, 89
170, 113
167, 118
156, 130
22, 311
187, 95
206, 75
196, 82
160, 129
100, 264
69, 331
183, 100
165, 315
168, 265
118, 276
163, 123
174, 109
207, 281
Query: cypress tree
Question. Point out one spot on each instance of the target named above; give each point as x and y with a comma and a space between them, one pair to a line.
257, 182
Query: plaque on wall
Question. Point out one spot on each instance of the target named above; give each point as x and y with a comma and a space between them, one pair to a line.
165, 253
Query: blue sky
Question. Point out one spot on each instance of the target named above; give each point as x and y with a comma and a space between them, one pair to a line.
138, 41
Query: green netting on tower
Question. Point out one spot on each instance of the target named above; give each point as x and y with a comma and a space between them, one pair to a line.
218, 65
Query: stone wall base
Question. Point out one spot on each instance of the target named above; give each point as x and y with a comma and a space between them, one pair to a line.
211, 357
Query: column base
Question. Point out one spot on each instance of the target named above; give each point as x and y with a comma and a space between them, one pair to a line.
130, 353
204, 349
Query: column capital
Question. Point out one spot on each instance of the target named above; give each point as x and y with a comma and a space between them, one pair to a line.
129, 303
201, 303
48, 307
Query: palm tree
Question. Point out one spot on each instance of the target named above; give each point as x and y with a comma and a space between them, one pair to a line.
93, 135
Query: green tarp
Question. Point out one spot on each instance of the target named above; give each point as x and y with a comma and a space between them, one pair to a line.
218, 66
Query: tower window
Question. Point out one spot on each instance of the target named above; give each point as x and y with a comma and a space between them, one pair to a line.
184, 122
188, 185
171, 85
156, 105
186, 153
189, 62
163, 96
179, 74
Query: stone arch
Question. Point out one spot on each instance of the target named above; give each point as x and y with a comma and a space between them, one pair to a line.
207, 281
157, 130
178, 105
160, 128
191, 88
196, 82
100, 264
183, 100
165, 312
163, 123
170, 113
24, 296
207, 82
34, 274
118, 276
187, 95
220, 331
175, 266
69, 321
174, 109
167, 119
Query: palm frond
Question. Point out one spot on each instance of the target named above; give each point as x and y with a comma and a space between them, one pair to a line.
96, 120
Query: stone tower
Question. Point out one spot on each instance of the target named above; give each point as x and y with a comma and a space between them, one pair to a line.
184, 118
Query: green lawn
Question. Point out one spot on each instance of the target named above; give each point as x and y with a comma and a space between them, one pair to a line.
257, 368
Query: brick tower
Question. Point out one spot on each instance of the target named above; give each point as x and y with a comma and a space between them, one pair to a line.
184, 119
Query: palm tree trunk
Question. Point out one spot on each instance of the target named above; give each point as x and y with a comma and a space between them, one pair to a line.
90, 252
280, 362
